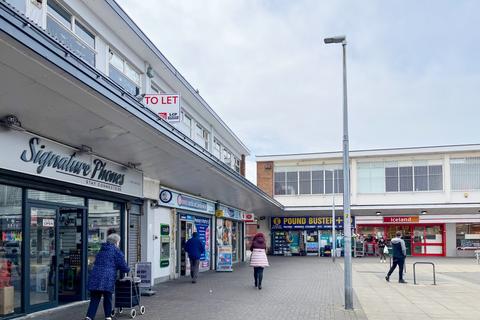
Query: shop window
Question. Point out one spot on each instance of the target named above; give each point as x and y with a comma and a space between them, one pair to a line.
55, 197
468, 236
11, 248
103, 220
370, 232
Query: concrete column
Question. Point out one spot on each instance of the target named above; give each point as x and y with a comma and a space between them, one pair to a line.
451, 239
447, 183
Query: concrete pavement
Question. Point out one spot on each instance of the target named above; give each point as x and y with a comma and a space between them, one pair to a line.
456, 295
293, 288
302, 288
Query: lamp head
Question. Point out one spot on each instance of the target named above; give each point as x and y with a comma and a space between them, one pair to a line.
337, 39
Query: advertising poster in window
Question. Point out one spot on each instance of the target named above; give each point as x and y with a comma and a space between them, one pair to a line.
224, 258
202, 226
165, 106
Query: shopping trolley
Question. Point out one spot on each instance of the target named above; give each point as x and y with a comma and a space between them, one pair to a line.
127, 296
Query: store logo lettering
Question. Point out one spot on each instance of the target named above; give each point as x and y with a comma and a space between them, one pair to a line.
69, 164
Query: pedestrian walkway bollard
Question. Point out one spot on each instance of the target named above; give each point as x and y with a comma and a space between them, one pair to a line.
421, 262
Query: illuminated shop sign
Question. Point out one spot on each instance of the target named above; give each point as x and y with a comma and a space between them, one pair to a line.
300, 223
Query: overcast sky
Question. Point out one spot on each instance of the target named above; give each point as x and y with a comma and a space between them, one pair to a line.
413, 68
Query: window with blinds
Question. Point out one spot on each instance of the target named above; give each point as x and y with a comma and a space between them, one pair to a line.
465, 173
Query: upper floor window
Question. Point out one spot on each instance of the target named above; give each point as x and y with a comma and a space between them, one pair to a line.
186, 124
236, 166
227, 157
217, 149
465, 173
201, 136
156, 88
66, 28
400, 176
123, 73
317, 180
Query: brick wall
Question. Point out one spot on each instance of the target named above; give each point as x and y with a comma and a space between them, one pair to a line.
265, 176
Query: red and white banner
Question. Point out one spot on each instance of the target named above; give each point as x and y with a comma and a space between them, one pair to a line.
166, 106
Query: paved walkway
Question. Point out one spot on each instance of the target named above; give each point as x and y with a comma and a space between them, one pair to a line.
456, 295
293, 288
302, 288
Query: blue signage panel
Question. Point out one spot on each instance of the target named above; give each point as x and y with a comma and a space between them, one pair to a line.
231, 213
301, 223
170, 198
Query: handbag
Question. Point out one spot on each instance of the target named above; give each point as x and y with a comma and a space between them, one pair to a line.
385, 250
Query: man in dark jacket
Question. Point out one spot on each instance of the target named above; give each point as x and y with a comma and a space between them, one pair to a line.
399, 254
194, 247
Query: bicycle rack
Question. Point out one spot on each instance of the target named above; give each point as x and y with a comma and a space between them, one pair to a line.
414, 275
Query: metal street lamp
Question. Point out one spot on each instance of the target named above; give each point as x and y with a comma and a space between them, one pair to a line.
347, 231
334, 242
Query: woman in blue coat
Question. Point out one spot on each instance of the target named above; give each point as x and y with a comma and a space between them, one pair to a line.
104, 273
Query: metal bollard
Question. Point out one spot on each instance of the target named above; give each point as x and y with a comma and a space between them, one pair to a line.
415, 277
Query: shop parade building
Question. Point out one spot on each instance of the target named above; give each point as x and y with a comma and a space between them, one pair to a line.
430, 194
86, 153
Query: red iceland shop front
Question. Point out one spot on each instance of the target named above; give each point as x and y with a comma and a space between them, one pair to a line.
421, 239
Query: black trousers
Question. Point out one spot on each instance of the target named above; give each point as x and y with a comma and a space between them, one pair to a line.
258, 275
95, 297
400, 262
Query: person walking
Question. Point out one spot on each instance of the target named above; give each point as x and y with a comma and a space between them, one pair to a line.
258, 259
399, 255
104, 273
382, 244
194, 247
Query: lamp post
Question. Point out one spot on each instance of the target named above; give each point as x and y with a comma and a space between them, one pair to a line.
347, 231
334, 243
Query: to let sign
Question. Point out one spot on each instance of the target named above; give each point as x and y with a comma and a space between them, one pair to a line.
412, 219
166, 106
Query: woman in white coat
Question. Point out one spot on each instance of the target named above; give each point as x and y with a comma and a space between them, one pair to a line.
258, 259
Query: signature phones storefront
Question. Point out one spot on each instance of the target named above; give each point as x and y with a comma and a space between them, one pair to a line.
57, 206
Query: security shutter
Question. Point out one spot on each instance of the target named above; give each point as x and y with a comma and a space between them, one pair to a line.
134, 241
